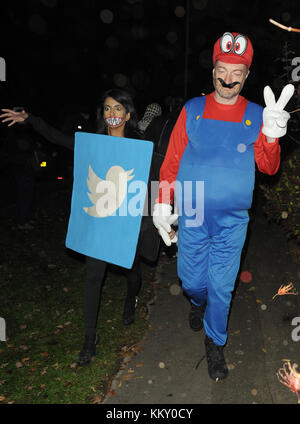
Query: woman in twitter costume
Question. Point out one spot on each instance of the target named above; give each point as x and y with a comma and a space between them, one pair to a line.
116, 116
217, 140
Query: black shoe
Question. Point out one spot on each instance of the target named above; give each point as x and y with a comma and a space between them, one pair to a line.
196, 317
217, 368
88, 350
129, 310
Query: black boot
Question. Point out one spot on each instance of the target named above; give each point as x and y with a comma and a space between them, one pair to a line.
129, 310
217, 368
88, 350
196, 317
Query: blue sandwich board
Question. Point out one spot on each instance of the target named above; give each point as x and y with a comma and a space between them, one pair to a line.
109, 193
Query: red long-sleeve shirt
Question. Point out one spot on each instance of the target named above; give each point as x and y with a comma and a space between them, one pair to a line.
267, 155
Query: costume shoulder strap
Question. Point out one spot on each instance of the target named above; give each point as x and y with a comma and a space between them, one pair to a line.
254, 114
194, 109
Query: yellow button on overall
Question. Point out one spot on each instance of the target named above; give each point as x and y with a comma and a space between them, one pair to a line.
248, 122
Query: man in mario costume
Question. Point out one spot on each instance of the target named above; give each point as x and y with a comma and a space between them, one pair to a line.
210, 169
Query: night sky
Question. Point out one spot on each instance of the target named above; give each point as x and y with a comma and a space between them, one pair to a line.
61, 55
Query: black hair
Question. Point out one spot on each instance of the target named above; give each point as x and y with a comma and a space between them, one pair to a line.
123, 97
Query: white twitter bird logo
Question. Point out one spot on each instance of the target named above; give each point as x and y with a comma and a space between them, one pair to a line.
109, 194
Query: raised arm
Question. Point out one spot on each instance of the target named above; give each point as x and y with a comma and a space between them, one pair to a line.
267, 155
275, 118
39, 125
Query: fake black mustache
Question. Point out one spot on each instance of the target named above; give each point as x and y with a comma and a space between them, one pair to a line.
233, 84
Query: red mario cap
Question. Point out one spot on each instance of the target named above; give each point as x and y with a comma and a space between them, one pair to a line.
233, 47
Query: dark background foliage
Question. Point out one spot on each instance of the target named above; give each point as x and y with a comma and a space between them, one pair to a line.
61, 55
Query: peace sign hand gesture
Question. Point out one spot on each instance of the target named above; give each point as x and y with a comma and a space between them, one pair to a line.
274, 117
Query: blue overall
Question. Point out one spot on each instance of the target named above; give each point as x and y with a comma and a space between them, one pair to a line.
214, 190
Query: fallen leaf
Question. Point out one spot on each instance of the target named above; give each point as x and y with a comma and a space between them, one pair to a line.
97, 400
284, 290
45, 354
2, 398
19, 364
67, 384
23, 347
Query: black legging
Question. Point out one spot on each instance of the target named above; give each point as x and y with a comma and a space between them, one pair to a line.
95, 272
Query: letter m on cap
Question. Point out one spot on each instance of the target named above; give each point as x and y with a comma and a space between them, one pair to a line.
2, 330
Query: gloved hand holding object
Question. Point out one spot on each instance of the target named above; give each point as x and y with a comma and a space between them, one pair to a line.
163, 219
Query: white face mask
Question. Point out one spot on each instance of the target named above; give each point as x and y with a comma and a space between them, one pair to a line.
114, 122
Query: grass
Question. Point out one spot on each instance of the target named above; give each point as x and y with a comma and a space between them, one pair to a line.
41, 290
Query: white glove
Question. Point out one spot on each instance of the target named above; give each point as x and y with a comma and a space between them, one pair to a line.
274, 117
162, 219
